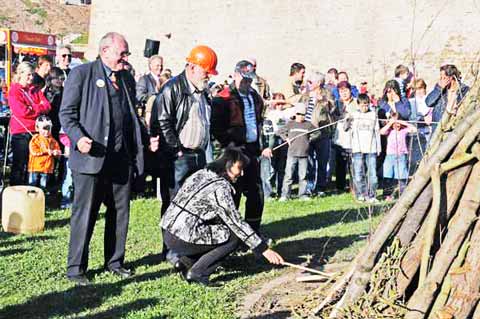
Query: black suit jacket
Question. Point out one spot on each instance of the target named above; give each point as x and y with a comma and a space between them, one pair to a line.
85, 111
146, 87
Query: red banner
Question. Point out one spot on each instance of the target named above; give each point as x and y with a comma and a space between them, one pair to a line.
21, 37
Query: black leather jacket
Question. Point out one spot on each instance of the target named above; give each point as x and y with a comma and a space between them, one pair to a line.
170, 112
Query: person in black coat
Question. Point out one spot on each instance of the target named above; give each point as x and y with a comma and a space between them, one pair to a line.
98, 115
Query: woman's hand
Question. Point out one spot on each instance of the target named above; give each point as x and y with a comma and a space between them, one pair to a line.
273, 257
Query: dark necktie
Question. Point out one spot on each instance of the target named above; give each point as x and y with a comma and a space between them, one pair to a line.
113, 80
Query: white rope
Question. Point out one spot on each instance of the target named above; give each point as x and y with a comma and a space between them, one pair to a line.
306, 133
333, 123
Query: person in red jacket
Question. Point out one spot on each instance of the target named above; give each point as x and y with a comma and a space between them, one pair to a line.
26, 103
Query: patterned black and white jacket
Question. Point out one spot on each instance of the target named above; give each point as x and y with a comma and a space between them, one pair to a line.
203, 212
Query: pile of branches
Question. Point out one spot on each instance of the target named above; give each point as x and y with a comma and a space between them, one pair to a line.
423, 261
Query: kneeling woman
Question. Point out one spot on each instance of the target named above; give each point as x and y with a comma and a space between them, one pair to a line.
202, 225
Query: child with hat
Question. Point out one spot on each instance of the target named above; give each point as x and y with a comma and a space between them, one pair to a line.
43, 148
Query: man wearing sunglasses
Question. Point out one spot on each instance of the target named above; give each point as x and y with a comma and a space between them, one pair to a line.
98, 115
64, 58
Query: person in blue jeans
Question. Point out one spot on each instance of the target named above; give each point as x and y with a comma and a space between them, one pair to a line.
296, 133
67, 180
366, 146
395, 166
266, 170
320, 105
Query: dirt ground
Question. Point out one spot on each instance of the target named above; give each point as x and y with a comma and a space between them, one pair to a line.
284, 297
46, 16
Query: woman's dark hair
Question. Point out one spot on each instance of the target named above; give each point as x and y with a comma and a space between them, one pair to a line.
229, 157
451, 70
391, 85
55, 73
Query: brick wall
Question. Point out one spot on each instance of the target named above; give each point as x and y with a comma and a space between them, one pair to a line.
367, 38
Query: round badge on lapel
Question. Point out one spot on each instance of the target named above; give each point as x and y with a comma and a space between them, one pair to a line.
100, 83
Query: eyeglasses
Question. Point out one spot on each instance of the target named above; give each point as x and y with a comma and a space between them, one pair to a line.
67, 55
302, 114
125, 54
46, 127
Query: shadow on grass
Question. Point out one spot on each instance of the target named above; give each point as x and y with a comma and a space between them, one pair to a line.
5, 235
149, 260
56, 223
295, 225
122, 310
78, 299
25, 240
8, 252
62, 222
292, 251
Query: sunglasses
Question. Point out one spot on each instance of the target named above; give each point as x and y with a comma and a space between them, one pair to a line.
302, 114
125, 54
67, 55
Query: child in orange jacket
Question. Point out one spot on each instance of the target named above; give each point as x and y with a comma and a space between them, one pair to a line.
43, 148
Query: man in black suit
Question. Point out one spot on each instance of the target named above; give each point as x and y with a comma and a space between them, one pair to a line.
98, 115
149, 84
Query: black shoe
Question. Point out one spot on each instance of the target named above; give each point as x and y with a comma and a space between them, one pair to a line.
191, 277
121, 272
80, 280
183, 264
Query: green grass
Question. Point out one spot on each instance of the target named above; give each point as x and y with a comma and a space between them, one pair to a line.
32, 267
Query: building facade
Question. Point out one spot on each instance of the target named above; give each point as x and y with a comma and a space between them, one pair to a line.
366, 38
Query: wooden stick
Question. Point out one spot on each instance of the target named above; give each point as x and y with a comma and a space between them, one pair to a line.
311, 278
308, 269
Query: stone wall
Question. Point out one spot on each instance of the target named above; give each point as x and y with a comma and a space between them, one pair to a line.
366, 38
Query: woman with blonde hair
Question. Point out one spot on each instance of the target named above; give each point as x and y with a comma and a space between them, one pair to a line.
26, 102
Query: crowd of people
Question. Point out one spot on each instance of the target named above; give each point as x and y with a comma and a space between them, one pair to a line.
102, 133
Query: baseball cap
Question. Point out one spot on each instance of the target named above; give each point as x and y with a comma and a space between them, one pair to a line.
246, 69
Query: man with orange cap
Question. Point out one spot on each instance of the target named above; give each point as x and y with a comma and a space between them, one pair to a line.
180, 120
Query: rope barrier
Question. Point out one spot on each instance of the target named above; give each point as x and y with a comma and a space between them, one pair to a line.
342, 120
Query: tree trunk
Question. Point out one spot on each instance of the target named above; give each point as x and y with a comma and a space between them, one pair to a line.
466, 214
442, 297
415, 217
432, 223
466, 288
456, 181
386, 228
